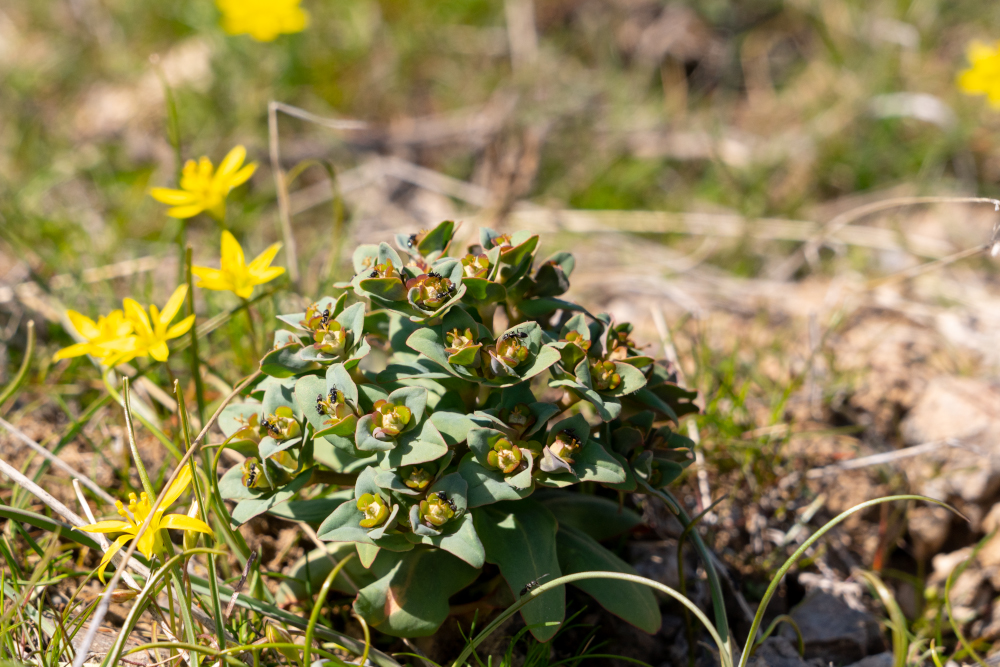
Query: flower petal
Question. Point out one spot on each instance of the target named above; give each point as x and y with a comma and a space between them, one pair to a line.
189, 211
85, 326
231, 163
77, 350
173, 197
233, 260
173, 305
112, 550
181, 522
137, 315
181, 327
242, 176
171, 495
107, 527
160, 351
264, 259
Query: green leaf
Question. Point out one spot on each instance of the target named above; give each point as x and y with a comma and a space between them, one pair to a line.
419, 446
315, 566
598, 517
414, 398
459, 540
307, 388
45, 523
520, 537
248, 509
482, 292
410, 598
454, 427
488, 486
632, 380
280, 394
235, 416
286, 361
315, 510
635, 603
389, 289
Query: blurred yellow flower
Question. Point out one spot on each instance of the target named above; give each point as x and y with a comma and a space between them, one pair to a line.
151, 542
235, 275
983, 78
263, 20
205, 189
109, 331
152, 331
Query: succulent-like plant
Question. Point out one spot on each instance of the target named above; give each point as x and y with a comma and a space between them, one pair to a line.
464, 441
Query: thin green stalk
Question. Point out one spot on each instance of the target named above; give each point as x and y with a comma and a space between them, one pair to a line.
579, 576
900, 643
147, 484
314, 616
955, 574
682, 584
148, 593
783, 570
213, 585
22, 372
199, 386
714, 585
783, 618
160, 435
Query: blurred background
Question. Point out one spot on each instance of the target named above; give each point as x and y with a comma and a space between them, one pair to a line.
752, 184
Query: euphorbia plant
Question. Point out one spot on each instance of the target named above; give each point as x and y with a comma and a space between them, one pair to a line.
464, 441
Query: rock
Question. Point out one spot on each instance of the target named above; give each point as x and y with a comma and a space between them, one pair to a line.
877, 660
960, 409
781, 652
833, 631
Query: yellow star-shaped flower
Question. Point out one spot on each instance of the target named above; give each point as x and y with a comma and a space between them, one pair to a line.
152, 330
983, 78
263, 20
203, 188
151, 542
235, 275
108, 333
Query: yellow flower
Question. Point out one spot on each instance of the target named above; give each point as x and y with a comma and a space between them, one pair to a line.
235, 275
152, 331
983, 78
109, 330
151, 542
263, 20
205, 189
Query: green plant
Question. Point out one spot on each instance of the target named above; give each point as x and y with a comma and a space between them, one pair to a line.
464, 402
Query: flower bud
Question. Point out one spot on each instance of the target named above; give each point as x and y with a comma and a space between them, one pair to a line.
331, 339
282, 425
389, 420
433, 290
519, 418
437, 509
604, 375
253, 474
475, 266
374, 510
416, 477
505, 456
565, 445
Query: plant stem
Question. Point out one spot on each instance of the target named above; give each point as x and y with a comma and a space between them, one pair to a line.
199, 386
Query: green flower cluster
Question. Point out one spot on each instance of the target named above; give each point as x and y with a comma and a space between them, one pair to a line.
486, 388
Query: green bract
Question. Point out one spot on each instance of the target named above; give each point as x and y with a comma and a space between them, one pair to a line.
423, 457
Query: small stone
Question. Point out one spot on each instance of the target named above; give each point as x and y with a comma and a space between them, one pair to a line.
877, 660
781, 652
835, 632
